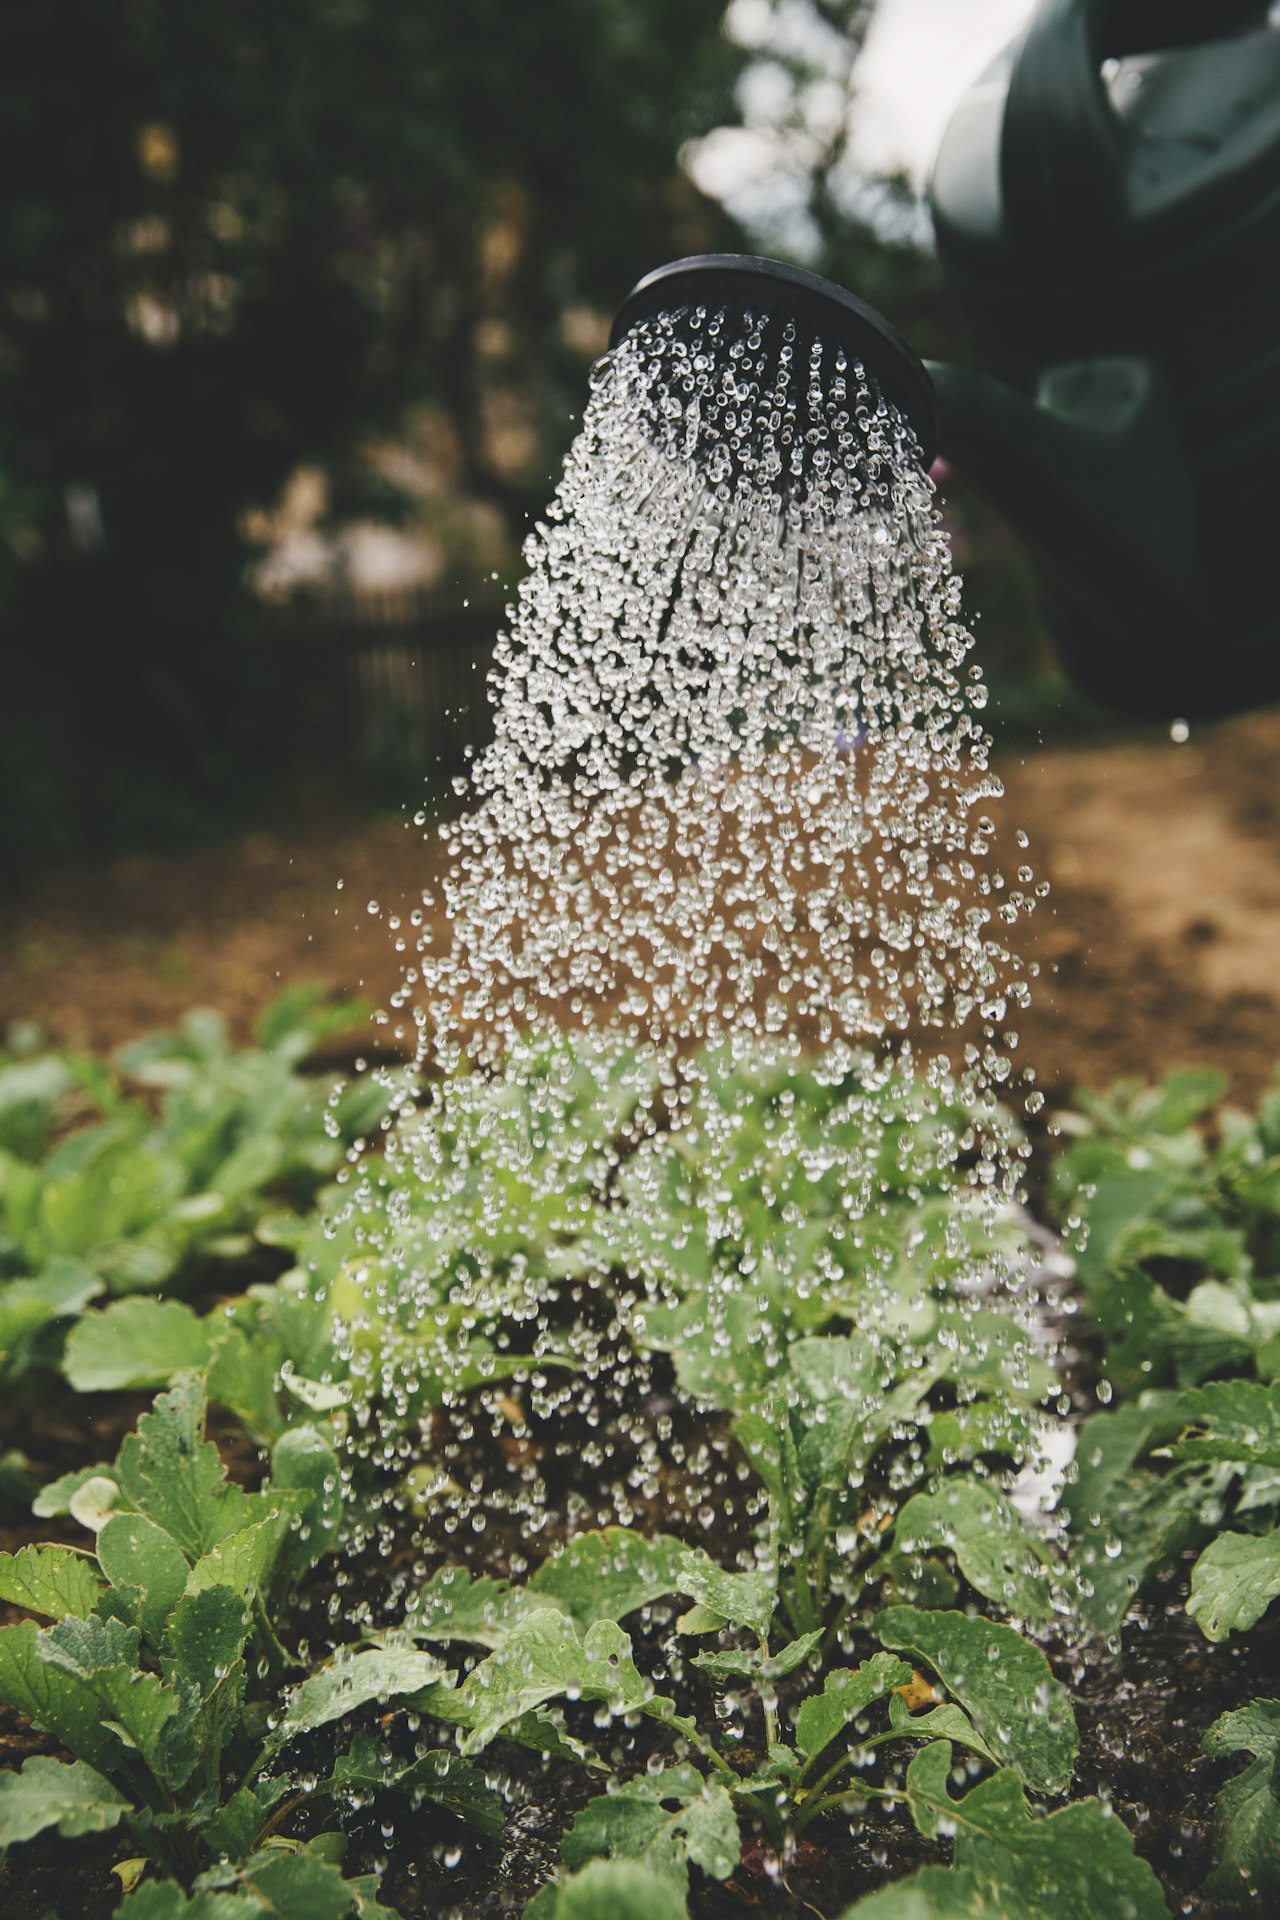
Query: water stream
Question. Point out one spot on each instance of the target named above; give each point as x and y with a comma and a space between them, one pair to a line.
734, 828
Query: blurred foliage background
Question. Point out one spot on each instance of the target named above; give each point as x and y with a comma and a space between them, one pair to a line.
297, 304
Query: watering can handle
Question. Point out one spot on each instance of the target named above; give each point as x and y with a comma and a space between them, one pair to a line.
1064, 149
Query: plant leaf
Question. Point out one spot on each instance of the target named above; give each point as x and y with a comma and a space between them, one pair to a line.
351, 1683
543, 1659
102, 1657
206, 1637
1234, 1582
756, 1665
134, 1343
1247, 1810
453, 1605
170, 1472
993, 1548
947, 1722
664, 1820
608, 1574
846, 1693
1003, 1683
50, 1580
742, 1599
54, 1793
618, 1889
303, 1462
443, 1777
134, 1551
1075, 1864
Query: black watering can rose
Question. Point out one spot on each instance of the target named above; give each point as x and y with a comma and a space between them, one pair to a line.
1107, 207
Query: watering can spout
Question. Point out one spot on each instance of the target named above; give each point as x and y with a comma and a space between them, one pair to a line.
1091, 472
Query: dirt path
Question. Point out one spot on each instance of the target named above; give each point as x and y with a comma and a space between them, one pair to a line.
1159, 944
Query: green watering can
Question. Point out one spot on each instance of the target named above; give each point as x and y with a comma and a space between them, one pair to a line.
1107, 207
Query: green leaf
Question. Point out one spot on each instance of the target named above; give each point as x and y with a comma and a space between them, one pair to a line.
303, 1462
52, 1793
243, 1561
1247, 1810
1231, 1420
54, 1499
295, 1886
206, 1637
993, 1548
742, 1599
134, 1343
1075, 1864
947, 1722
49, 1580
846, 1693
170, 1472
1003, 1683
1130, 1522
53, 1699
351, 1683
612, 1890
1234, 1582
543, 1659
453, 1605
608, 1574
102, 1657
757, 1665
664, 1820
134, 1551
243, 1376
63, 1289
443, 1777
938, 1893
165, 1900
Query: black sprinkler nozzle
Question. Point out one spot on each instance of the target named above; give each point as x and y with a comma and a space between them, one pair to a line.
743, 284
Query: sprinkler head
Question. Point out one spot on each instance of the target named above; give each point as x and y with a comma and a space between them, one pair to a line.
744, 286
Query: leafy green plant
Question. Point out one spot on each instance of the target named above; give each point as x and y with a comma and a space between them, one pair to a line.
558, 1639
163, 1666
127, 1204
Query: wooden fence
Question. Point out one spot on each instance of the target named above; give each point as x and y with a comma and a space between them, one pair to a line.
390, 683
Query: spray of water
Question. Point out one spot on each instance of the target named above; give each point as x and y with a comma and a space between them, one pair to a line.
733, 830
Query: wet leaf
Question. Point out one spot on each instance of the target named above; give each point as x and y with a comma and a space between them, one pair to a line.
947, 1722
665, 1820
351, 1683
846, 1693
1075, 1864
608, 1574
50, 1580
134, 1551
53, 1793
443, 1777
756, 1665
1234, 1582
454, 1605
1247, 1810
206, 1637
303, 1462
610, 1890
1003, 1683
993, 1548
170, 1472
740, 1599
543, 1659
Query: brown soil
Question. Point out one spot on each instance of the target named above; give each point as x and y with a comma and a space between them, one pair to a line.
1159, 943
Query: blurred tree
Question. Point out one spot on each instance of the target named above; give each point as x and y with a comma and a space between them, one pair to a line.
234, 237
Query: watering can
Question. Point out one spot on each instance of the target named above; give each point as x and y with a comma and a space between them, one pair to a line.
1106, 201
